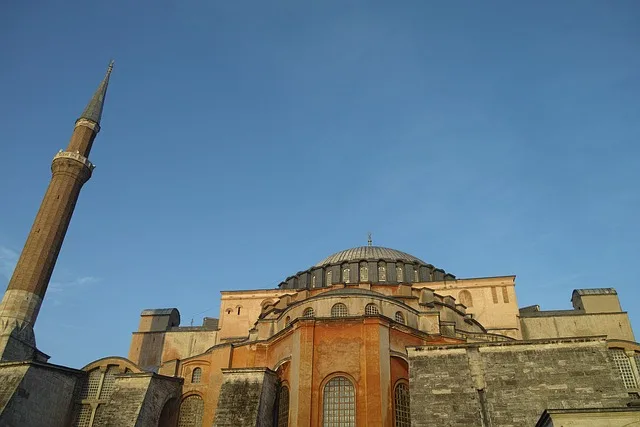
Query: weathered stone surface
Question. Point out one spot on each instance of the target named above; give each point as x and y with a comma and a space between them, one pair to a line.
246, 398
139, 399
510, 384
33, 394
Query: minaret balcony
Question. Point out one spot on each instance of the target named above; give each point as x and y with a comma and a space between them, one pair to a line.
75, 156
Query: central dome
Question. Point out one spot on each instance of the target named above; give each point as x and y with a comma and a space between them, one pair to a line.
368, 253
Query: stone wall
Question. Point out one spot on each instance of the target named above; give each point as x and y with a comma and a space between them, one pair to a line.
139, 399
247, 398
37, 394
500, 384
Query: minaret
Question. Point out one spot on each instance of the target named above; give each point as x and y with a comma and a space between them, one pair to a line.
70, 170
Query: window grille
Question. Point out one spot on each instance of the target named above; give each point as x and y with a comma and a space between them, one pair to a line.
339, 310
622, 362
191, 412
100, 416
345, 274
399, 317
371, 309
308, 312
364, 273
84, 416
382, 273
416, 276
403, 415
399, 274
465, 298
196, 376
109, 382
90, 388
283, 407
329, 278
339, 403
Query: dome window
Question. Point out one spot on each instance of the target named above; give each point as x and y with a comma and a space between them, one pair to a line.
339, 310
364, 273
345, 274
371, 309
399, 317
399, 274
308, 312
382, 273
329, 278
416, 276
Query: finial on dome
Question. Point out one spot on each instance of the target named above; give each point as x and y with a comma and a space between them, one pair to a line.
369, 241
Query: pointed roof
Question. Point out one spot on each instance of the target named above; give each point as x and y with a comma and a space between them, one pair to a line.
93, 111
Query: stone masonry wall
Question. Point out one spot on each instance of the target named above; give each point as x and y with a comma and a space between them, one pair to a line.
35, 395
510, 384
247, 397
138, 400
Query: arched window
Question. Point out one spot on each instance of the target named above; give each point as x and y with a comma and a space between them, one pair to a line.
287, 321
364, 273
339, 310
283, 407
329, 278
371, 309
345, 274
239, 310
416, 276
196, 376
191, 412
399, 317
623, 363
401, 406
399, 274
339, 403
465, 298
382, 273
313, 281
308, 312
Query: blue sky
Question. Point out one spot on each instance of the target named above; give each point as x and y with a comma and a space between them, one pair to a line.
244, 141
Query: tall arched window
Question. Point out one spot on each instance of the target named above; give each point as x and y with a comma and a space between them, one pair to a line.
399, 274
196, 376
329, 278
401, 405
364, 273
283, 407
313, 281
416, 275
382, 273
287, 321
339, 403
465, 298
371, 309
399, 317
308, 312
345, 274
339, 310
191, 412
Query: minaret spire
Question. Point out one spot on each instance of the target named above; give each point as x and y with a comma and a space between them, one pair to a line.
93, 111
23, 298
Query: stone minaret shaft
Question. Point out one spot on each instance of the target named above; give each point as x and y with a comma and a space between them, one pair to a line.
70, 170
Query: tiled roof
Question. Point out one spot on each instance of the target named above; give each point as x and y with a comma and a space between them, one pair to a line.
369, 253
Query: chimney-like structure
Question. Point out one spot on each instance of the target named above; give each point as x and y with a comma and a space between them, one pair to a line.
70, 170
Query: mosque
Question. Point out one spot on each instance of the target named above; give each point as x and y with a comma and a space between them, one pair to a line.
369, 336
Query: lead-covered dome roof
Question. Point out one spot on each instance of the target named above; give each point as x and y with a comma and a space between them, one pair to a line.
369, 253
366, 264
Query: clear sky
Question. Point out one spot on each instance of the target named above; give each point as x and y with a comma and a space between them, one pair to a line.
245, 141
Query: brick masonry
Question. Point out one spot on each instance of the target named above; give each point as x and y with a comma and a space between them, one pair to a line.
510, 384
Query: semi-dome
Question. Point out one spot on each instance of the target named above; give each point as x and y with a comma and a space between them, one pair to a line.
366, 264
369, 253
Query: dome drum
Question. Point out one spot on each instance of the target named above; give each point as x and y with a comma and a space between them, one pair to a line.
366, 264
